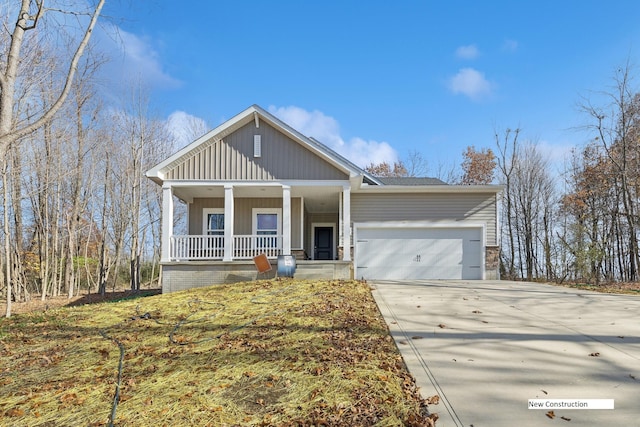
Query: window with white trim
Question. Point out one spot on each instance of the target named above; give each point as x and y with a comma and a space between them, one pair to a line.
213, 222
268, 222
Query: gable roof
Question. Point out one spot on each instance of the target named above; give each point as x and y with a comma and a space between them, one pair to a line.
256, 113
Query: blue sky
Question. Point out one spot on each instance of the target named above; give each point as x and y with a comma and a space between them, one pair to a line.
377, 79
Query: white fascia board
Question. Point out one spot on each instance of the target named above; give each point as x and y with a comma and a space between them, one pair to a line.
461, 189
419, 224
291, 183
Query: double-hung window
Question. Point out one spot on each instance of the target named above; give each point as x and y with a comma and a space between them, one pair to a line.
213, 226
213, 222
267, 225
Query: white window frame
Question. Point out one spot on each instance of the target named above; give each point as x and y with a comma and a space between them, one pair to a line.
205, 219
254, 217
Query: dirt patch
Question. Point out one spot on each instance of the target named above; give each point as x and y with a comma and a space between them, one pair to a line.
37, 305
629, 288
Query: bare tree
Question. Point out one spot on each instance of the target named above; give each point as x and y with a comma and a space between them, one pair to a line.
507, 147
617, 129
415, 164
30, 16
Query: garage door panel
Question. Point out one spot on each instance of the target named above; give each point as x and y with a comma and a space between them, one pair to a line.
419, 253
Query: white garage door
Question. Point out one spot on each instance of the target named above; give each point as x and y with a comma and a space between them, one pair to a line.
418, 253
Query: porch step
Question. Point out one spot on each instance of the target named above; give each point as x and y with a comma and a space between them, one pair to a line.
322, 270
314, 271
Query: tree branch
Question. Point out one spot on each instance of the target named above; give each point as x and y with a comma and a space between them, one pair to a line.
12, 136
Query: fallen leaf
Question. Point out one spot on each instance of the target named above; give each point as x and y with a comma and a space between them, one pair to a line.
551, 414
565, 418
632, 377
403, 342
416, 337
15, 412
484, 321
476, 311
594, 354
544, 391
442, 326
433, 400
621, 337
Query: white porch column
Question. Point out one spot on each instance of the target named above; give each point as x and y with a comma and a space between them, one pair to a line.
346, 223
167, 223
286, 220
228, 223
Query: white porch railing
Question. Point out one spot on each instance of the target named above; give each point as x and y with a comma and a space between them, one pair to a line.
212, 247
249, 246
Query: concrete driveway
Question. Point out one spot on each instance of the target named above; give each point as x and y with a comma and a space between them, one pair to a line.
487, 347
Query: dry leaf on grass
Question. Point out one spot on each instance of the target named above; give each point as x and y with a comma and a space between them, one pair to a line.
252, 352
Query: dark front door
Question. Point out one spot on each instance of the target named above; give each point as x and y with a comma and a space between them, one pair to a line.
323, 238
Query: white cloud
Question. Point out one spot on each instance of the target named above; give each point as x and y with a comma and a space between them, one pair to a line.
133, 58
558, 153
141, 59
327, 130
185, 128
470, 82
467, 52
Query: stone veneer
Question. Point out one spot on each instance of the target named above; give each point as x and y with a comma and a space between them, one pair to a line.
492, 263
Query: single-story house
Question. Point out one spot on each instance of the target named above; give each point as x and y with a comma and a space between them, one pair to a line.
254, 185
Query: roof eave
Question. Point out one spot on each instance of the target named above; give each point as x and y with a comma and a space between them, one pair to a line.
432, 188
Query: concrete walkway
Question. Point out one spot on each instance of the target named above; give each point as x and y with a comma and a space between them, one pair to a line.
487, 347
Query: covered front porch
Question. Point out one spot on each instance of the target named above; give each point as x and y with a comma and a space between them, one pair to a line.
233, 222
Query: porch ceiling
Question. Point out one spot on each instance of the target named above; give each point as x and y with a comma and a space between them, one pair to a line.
317, 199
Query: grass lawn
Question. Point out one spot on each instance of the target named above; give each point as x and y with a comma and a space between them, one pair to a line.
273, 352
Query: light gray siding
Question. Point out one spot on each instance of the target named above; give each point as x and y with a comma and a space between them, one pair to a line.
243, 208
232, 158
472, 208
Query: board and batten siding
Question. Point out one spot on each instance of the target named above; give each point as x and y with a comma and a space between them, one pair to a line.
243, 212
472, 208
232, 158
